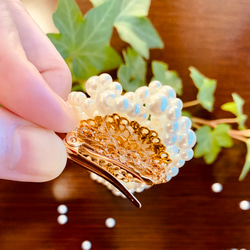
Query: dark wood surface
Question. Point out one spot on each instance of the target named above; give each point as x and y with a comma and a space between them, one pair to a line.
182, 214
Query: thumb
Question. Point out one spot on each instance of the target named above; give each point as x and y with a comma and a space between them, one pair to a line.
28, 152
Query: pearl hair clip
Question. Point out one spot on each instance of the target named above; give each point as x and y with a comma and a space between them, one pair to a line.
129, 141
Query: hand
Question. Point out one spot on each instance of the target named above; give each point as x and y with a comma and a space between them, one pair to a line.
34, 82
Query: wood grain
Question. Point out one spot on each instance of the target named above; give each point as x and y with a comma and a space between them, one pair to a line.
183, 214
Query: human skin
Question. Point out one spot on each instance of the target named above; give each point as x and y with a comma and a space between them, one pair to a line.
34, 84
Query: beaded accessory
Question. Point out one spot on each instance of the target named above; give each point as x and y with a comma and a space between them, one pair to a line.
132, 140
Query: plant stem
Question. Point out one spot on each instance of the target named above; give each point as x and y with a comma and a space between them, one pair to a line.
213, 123
235, 134
245, 132
191, 103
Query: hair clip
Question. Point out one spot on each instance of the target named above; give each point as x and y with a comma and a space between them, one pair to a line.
132, 140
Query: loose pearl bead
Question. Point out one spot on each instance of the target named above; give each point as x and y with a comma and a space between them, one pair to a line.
110, 222
86, 245
157, 104
116, 87
168, 91
173, 113
176, 102
184, 123
62, 209
142, 93
186, 140
76, 98
186, 154
92, 85
62, 219
105, 102
122, 104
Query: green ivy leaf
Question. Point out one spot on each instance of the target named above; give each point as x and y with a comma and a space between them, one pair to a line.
186, 113
166, 77
203, 139
236, 107
135, 28
97, 2
84, 42
135, 7
246, 166
132, 74
206, 88
210, 142
220, 134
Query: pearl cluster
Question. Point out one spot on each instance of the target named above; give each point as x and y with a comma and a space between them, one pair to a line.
154, 106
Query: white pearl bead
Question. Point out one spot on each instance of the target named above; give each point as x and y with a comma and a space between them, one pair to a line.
173, 113
169, 139
177, 161
156, 122
93, 176
105, 102
170, 127
168, 91
96, 113
186, 154
105, 79
116, 87
168, 178
172, 171
77, 111
172, 151
92, 86
135, 110
184, 123
62, 209
245, 205
176, 102
217, 187
132, 96
122, 104
116, 192
157, 104
76, 98
86, 105
83, 116
86, 245
62, 219
186, 140
154, 86
110, 222
143, 116
142, 93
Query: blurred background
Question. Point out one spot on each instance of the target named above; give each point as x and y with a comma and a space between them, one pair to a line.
186, 213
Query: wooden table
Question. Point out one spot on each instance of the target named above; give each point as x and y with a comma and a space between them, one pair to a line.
183, 214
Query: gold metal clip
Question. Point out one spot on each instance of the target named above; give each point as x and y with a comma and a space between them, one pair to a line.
82, 154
